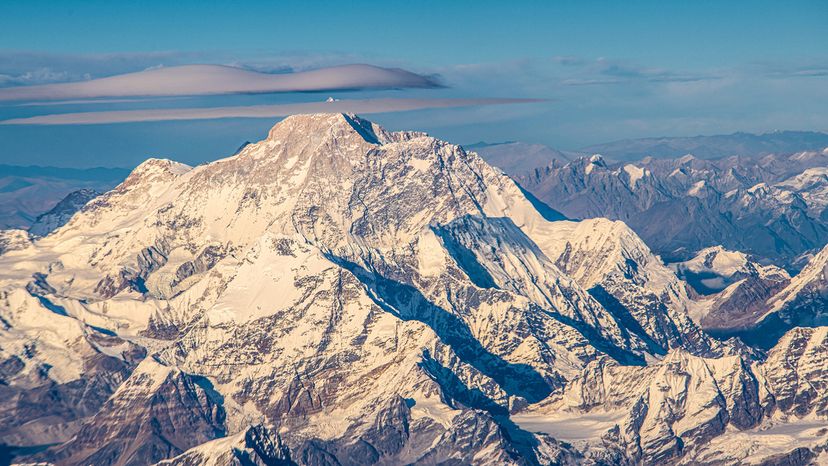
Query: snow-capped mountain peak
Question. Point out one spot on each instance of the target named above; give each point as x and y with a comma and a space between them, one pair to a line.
338, 292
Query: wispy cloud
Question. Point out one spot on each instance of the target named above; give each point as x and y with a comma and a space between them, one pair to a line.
52, 103
793, 69
216, 79
364, 106
603, 71
591, 95
550, 76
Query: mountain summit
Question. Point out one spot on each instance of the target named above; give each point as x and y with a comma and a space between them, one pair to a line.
341, 294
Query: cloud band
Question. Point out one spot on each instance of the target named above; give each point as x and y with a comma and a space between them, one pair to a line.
364, 106
216, 79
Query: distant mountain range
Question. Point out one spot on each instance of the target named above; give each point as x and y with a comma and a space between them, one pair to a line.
518, 157
29, 191
712, 147
772, 205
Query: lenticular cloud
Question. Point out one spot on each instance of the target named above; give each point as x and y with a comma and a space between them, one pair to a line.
363, 106
217, 79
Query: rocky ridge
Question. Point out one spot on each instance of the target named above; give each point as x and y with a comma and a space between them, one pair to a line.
338, 293
772, 207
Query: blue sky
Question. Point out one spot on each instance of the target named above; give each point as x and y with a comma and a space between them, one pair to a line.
607, 70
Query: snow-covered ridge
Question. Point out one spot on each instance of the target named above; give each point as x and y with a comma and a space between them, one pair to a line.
771, 206
338, 291
62, 212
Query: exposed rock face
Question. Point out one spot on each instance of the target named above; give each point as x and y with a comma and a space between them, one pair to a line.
341, 294
772, 206
795, 372
735, 289
612, 262
801, 303
54, 370
257, 446
155, 414
693, 410
62, 212
743, 304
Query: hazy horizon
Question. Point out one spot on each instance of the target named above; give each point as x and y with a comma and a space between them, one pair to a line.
593, 73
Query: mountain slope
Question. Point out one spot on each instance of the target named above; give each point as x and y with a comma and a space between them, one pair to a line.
519, 157
191, 242
734, 288
365, 297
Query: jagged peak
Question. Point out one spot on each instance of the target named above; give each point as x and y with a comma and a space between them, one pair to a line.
598, 159
336, 124
759, 188
338, 128
151, 173
635, 173
588, 164
615, 234
153, 166
150, 372
718, 260
812, 274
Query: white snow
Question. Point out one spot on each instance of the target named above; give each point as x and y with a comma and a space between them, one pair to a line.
754, 445
812, 273
697, 187
716, 259
594, 161
635, 173
571, 426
